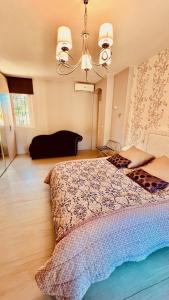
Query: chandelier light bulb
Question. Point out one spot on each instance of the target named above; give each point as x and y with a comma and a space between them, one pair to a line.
106, 35
61, 55
86, 63
64, 38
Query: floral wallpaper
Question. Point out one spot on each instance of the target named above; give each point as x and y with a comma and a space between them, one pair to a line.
149, 105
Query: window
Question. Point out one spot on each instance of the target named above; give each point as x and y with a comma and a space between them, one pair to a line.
21, 109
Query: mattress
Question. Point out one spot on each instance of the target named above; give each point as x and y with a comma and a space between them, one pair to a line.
102, 219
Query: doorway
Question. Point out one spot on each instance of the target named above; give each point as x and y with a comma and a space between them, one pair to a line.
97, 127
99, 124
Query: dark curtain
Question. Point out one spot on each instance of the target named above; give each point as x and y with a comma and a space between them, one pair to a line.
18, 85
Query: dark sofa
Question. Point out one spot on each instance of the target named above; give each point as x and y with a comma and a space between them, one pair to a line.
61, 143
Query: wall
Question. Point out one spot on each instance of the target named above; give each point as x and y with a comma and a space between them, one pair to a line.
57, 107
3, 84
70, 110
149, 105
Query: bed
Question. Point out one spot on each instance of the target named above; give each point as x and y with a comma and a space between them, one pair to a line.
102, 219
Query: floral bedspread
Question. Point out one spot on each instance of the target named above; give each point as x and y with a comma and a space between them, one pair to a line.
83, 189
102, 219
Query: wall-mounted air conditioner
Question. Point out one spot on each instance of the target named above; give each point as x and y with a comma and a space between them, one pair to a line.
84, 87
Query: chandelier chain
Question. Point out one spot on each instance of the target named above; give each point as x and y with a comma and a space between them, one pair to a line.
85, 19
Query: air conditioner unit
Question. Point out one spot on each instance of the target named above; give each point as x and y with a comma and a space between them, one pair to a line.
84, 87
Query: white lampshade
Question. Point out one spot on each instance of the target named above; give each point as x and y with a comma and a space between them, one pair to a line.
64, 38
86, 63
61, 55
105, 57
58, 49
106, 35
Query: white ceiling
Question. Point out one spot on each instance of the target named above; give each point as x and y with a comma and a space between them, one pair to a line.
28, 32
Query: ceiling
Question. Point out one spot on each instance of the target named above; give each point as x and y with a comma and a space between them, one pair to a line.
28, 32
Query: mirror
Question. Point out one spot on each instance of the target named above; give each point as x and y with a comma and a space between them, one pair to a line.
4, 154
2, 158
7, 130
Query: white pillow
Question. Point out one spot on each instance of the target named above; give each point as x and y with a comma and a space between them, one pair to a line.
137, 157
159, 167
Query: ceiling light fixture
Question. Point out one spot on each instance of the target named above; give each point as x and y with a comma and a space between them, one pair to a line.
64, 45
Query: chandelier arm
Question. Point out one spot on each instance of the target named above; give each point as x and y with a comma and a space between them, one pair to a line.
67, 66
71, 66
105, 67
64, 74
108, 68
96, 65
59, 72
97, 73
72, 57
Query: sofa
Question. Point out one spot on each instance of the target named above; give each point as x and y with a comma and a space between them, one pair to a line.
61, 143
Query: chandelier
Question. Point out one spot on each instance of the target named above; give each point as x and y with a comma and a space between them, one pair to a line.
64, 46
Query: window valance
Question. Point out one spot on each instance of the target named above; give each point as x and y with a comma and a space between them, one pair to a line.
20, 85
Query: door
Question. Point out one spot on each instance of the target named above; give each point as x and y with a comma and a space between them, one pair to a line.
99, 119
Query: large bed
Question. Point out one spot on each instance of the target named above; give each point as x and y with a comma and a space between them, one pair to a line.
102, 219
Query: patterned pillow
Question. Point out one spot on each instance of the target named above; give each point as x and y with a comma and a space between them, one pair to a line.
118, 161
147, 181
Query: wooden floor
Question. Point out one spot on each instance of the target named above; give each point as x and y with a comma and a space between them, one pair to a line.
27, 240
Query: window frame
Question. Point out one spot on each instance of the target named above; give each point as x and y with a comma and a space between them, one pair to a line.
30, 111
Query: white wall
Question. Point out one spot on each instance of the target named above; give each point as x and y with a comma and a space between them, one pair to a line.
3, 84
70, 110
57, 107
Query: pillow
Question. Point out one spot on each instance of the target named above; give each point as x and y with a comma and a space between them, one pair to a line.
138, 157
119, 161
159, 167
147, 181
